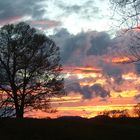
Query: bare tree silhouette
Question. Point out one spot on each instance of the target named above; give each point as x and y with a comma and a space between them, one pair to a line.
128, 10
128, 14
29, 69
115, 113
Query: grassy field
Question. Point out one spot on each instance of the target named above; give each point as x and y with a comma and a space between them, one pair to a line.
70, 129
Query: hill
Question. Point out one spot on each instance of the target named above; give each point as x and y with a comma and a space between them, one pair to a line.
70, 129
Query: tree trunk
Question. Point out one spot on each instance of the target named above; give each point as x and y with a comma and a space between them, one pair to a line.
19, 113
18, 108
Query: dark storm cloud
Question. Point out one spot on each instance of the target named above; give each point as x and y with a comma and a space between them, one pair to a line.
62, 33
113, 71
100, 91
79, 46
88, 92
75, 87
13, 8
72, 44
60, 37
99, 44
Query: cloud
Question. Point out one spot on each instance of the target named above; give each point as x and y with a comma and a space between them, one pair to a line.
137, 97
70, 9
88, 92
127, 44
11, 20
11, 9
114, 71
44, 24
91, 74
72, 45
85, 10
99, 44
76, 48
137, 65
100, 91
33, 12
75, 87
61, 34
88, 49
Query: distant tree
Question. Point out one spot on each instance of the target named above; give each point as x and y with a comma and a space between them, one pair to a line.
115, 113
137, 109
29, 69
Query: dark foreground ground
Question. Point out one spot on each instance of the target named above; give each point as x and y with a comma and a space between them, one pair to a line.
70, 129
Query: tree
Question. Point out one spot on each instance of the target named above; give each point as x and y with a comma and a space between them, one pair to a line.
30, 69
128, 13
115, 113
137, 109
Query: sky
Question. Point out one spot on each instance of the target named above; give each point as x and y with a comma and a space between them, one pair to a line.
75, 16
96, 78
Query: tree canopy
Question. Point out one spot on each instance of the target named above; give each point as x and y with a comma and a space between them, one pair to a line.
30, 69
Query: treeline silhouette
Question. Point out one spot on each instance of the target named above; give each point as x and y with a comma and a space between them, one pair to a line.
122, 113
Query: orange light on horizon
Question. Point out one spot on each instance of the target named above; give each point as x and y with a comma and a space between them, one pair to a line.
81, 69
129, 76
82, 72
88, 69
90, 83
123, 59
82, 111
126, 93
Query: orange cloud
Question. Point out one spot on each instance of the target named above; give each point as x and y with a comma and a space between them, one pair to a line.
121, 59
82, 72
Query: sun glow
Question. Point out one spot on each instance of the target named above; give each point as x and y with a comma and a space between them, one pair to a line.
121, 59
85, 111
82, 72
90, 83
129, 76
127, 93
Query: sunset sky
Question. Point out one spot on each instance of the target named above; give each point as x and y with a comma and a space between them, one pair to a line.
96, 79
